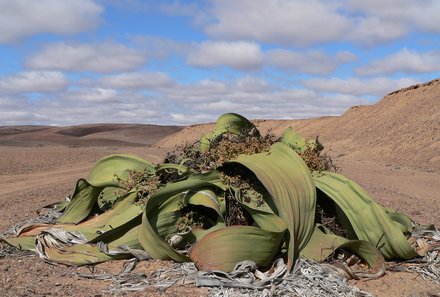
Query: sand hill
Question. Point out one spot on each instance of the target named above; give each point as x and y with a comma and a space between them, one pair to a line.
403, 128
85, 135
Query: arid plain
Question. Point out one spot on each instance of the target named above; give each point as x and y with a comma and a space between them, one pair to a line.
391, 148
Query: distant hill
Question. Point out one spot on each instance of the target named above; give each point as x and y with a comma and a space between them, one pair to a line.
85, 135
403, 128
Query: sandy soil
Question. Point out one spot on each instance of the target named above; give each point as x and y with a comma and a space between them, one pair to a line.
394, 157
40, 176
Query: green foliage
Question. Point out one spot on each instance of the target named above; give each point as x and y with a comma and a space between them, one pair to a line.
234, 195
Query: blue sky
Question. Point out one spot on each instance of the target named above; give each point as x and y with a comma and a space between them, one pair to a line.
183, 62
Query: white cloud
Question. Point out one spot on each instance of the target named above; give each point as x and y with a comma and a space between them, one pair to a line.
356, 87
380, 21
409, 13
283, 21
102, 58
16, 117
238, 55
221, 105
96, 106
251, 84
201, 101
267, 102
21, 18
137, 80
17, 110
198, 92
404, 61
161, 47
312, 62
33, 81
9, 103
302, 23
248, 55
374, 30
93, 95
191, 118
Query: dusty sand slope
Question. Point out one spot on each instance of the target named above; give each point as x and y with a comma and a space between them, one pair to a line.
85, 135
390, 148
403, 128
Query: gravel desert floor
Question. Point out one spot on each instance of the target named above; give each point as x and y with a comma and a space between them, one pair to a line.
390, 148
32, 177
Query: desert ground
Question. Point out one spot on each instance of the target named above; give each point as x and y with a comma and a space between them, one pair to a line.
391, 148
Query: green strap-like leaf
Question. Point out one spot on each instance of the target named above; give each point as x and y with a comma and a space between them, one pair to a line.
222, 249
90, 253
149, 238
123, 212
181, 169
367, 219
107, 197
288, 180
298, 142
323, 244
25, 243
266, 221
107, 172
404, 223
205, 198
83, 200
227, 123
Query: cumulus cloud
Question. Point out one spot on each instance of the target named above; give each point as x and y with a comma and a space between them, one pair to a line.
377, 86
33, 81
373, 30
266, 102
197, 92
238, 55
379, 21
404, 61
245, 56
187, 118
251, 84
137, 80
408, 13
17, 117
220, 105
21, 18
201, 101
93, 95
311, 62
284, 21
97, 106
161, 47
101, 58
303, 23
